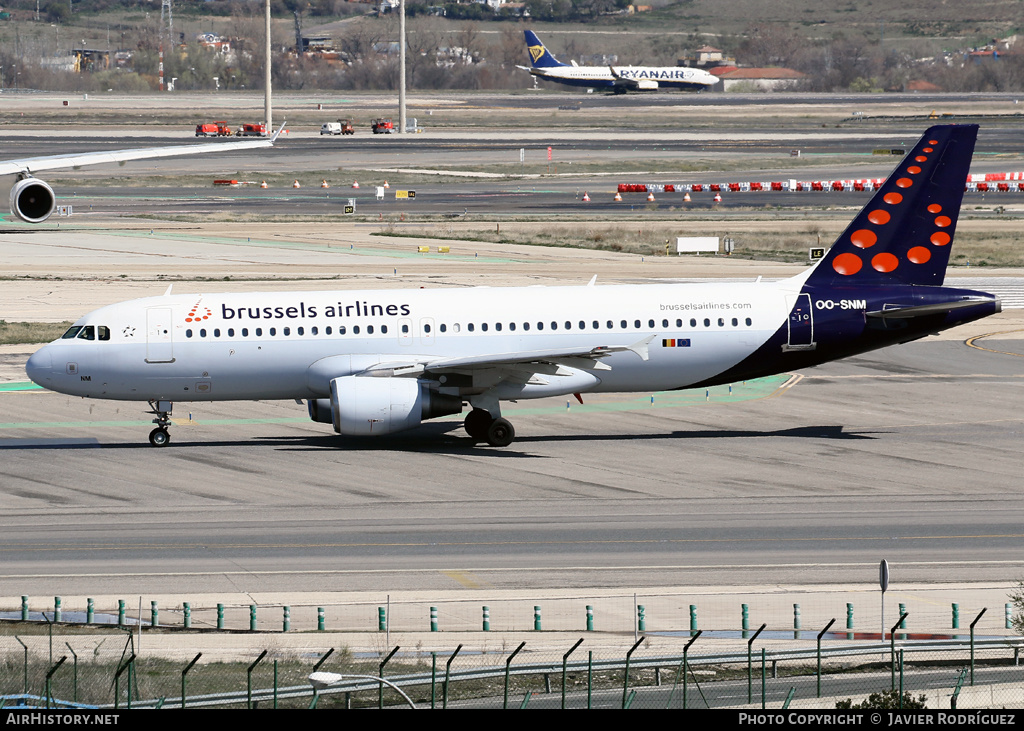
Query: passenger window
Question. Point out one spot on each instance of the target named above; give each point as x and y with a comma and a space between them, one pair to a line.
583, 325
735, 322
369, 329
245, 332
664, 323
540, 325
259, 332
679, 323
104, 332
568, 325
721, 322
484, 327
636, 324
707, 322
426, 327
301, 331
202, 333
231, 332
470, 327
88, 333
693, 322
188, 333
287, 331
554, 326
749, 323
327, 330
512, 326
650, 323
444, 328
609, 325
71, 333
623, 323
384, 329
597, 325
355, 329
526, 326
497, 326
216, 332
405, 329
456, 328
273, 331
314, 330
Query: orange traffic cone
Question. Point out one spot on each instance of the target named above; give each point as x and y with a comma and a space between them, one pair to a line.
386, 184
296, 184
618, 197
355, 183
718, 197
650, 197
324, 184
586, 198
686, 198
264, 185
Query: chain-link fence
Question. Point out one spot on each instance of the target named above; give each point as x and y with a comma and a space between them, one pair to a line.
963, 673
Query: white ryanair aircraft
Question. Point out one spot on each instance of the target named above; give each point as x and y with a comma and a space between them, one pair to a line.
377, 362
33, 200
617, 79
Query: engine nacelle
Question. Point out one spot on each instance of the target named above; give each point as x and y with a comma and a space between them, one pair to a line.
32, 200
320, 410
366, 405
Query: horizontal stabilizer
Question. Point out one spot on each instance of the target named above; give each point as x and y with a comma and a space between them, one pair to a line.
937, 308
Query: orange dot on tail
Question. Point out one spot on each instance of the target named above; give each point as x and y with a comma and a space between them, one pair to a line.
943, 221
847, 264
879, 217
921, 158
935, 208
863, 238
913, 170
940, 238
933, 142
892, 198
904, 182
885, 262
927, 149
919, 255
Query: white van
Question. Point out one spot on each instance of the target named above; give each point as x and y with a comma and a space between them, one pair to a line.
330, 128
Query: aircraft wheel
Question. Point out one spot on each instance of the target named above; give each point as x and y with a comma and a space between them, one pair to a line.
159, 438
476, 424
500, 433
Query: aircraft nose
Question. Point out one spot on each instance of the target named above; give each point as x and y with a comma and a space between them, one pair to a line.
39, 366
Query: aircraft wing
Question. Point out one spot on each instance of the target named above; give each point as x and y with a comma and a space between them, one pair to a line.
33, 200
538, 361
57, 162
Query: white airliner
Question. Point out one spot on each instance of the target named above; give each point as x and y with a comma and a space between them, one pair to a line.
382, 361
618, 79
33, 200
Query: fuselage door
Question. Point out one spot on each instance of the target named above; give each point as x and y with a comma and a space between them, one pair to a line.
801, 323
159, 341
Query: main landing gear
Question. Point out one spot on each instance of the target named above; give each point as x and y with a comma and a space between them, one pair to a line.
160, 437
482, 427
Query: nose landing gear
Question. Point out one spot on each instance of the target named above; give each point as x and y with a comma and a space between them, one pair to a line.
160, 437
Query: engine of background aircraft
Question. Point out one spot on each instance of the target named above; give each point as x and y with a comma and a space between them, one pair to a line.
32, 200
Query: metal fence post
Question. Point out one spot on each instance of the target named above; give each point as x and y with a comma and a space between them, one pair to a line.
565, 662
625, 679
184, 673
892, 649
508, 662
762, 677
380, 674
248, 679
447, 676
972, 641
49, 676
820, 635
750, 665
74, 697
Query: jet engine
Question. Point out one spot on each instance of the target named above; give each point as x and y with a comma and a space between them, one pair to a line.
32, 200
368, 405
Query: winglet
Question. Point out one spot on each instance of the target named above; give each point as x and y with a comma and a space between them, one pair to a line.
273, 137
641, 347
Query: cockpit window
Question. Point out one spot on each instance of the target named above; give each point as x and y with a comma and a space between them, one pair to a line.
103, 331
71, 333
88, 333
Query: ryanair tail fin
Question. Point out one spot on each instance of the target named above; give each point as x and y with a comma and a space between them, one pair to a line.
904, 234
540, 57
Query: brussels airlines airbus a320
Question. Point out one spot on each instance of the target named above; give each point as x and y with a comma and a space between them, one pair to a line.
377, 362
618, 79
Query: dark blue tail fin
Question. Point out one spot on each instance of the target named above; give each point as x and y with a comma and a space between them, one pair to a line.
904, 234
540, 57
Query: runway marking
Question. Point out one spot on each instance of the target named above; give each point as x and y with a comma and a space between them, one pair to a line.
78, 547
971, 343
514, 569
463, 578
20, 386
